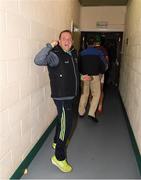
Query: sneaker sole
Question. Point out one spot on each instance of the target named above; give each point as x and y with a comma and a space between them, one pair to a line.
54, 163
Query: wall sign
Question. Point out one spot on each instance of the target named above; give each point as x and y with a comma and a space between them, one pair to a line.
102, 24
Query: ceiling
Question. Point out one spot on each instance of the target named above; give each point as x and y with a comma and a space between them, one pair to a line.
103, 2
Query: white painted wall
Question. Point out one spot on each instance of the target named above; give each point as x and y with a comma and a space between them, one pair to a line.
130, 75
114, 15
26, 109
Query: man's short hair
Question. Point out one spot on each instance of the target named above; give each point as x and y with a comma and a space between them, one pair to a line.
67, 31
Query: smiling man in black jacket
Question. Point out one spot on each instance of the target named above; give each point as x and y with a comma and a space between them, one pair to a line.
61, 60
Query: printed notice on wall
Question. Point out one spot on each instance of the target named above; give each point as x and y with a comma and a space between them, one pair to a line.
102, 24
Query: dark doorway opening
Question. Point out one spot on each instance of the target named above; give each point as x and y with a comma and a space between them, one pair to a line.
112, 41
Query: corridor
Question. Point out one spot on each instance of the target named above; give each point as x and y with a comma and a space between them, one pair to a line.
101, 150
96, 151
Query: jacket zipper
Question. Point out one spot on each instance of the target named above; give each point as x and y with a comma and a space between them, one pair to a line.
75, 77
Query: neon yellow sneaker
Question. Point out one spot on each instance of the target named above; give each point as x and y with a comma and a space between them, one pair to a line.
62, 165
53, 145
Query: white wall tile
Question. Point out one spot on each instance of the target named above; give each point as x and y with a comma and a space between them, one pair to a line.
3, 74
28, 85
17, 26
36, 98
9, 96
9, 49
17, 70
18, 111
6, 166
4, 124
2, 22
130, 78
9, 5
28, 48
4, 146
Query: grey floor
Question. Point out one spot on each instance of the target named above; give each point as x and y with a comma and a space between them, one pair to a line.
96, 151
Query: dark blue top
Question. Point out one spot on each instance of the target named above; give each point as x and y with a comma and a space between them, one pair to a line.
92, 61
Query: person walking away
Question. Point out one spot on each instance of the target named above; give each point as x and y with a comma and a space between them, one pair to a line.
91, 63
98, 45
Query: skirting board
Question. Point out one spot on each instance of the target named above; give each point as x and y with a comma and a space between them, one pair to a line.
132, 137
25, 163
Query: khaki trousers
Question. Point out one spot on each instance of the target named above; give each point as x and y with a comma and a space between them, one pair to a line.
92, 86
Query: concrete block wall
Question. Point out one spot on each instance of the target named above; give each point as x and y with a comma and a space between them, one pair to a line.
130, 73
26, 109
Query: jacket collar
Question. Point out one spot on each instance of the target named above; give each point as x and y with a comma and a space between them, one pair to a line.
58, 48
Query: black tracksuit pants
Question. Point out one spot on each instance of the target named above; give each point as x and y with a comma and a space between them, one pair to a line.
64, 124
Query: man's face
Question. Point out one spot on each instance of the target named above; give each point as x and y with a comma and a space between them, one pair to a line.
65, 41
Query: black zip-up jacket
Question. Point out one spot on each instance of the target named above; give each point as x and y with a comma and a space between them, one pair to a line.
92, 62
63, 70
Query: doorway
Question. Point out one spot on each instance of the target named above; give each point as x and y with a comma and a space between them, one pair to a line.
112, 42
